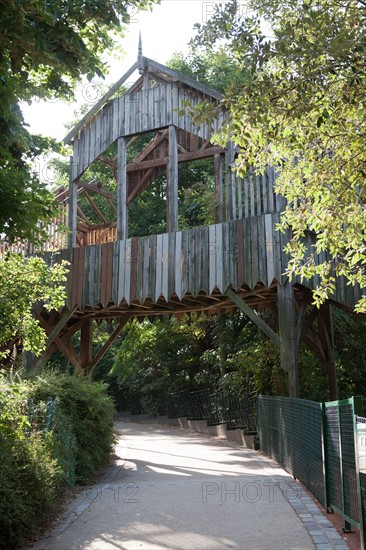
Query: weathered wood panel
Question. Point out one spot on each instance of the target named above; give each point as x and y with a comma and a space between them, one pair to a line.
142, 111
234, 254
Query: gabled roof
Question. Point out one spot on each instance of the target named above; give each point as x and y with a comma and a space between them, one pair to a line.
154, 69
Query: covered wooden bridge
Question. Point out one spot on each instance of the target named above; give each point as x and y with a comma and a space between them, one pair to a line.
238, 262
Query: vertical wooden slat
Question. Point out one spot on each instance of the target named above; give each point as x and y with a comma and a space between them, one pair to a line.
90, 298
121, 270
240, 252
140, 270
85, 300
277, 250
178, 264
133, 273
145, 269
264, 193
258, 194
212, 251
247, 253
239, 185
218, 188
169, 103
122, 213
197, 263
129, 258
172, 181
121, 116
254, 252
152, 279
159, 264
175, 104
219, 257
185, 262
191, 235
271, 182
251, 190
230, 188
115, 275
226, 253
171, 265
72, 209
165, 267
205, 259
80, 276
262, 264
268, 223
246, 196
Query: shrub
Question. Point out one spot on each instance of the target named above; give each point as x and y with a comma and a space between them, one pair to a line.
54, 428
91, 413
29, 475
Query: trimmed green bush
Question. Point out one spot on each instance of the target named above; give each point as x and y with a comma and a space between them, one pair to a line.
54, 429
91, 413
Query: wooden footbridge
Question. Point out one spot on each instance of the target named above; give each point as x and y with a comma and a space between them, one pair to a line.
238, 262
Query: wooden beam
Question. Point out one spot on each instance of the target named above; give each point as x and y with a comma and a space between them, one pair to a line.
288, 335
52, 333
107, 344
230, 183
325, 327
93, 187
182, 157
72, 211
82, 216
70, 136
94, 207
218, 188
182, 78
54, 339
140, 185
122, 212
157, 140
86, 339
253, 316
172, 182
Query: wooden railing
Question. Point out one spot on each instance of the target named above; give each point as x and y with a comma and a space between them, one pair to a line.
201, 261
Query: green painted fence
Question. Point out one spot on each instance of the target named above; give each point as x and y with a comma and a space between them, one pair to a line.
217, 408
324, 446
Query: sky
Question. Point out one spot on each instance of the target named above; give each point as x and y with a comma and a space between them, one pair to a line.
164, 30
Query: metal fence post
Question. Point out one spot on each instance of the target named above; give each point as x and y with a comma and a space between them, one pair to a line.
325, 458
358, 408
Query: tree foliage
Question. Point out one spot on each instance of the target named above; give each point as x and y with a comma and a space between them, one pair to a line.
45, 47
301, 109
24, 282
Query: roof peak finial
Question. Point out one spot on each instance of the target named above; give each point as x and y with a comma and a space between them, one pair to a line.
140, 44
139, 55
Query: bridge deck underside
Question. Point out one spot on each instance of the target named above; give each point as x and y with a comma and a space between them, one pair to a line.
185, 271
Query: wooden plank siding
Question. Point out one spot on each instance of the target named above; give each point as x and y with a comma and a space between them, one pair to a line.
238, 254
136, 113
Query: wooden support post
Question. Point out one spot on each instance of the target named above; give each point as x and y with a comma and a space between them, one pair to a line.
288, 335
86, 340
107, 344
230, 183
218, 188
122, 212
257, 320
172, 182
146, 79
72, 210
325, 329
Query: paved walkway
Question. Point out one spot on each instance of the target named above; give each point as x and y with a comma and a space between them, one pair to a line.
174, 489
